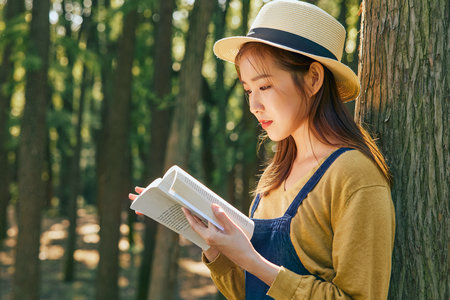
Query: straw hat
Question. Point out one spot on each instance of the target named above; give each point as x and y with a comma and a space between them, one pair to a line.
302, 28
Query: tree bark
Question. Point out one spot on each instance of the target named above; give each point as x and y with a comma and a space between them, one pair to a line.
403, 70
249, 136
107, 50
65, 129
116, 151
207, 136
32, 150
220, 97
180, 140
160, 117
74, 180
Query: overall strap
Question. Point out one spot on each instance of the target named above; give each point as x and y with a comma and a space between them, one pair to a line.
255, 205
292, 210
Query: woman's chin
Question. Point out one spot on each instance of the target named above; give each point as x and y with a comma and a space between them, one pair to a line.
275, 137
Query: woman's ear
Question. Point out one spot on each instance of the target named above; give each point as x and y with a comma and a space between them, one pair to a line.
314, 77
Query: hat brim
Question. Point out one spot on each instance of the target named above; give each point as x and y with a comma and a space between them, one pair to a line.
347, 81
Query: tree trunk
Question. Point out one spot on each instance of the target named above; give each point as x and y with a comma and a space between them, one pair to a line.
65, 132
160, 117
342, 18
32, 150
249, 138
116, 150
180, 140
403, 71
74, 175
107, 50
74, 180
220, 96
12, 9
207, 157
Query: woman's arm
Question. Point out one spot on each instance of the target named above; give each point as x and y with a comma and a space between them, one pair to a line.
234, 244
361, 252
227, 276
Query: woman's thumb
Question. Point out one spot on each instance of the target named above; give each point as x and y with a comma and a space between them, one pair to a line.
222, 217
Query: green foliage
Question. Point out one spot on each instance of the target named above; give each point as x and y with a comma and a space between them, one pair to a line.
16, 28
32, 62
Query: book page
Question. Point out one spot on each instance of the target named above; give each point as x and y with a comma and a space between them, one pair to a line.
161, 208
167, 180
198, 198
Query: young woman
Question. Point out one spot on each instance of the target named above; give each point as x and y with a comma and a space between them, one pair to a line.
324, 218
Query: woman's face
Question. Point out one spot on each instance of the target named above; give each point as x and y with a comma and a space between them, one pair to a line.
273, 97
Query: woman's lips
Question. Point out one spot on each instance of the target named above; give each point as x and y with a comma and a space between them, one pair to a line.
265, 124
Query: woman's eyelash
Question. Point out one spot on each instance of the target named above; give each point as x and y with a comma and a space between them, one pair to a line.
263, 88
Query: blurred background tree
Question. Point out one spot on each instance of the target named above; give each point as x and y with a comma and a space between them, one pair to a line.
99, 96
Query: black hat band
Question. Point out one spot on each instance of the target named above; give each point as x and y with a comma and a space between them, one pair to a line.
290, 40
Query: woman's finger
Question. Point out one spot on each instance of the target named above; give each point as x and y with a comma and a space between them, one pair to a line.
223, 218
195, 222
132, 197
139, 189
190, 217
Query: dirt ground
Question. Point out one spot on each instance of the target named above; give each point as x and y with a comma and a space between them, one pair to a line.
193, 278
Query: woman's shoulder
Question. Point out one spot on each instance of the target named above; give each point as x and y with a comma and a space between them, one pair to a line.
357, 170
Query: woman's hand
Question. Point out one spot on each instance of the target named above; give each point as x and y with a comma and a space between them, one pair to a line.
131, 196
211, 254
233, 243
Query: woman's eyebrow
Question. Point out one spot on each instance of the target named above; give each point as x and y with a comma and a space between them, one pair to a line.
258, 77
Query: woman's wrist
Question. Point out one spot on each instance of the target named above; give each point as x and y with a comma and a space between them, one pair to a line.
211, 254
263, 269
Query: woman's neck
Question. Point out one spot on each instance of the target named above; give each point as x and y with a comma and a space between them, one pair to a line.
310, 151
308, 146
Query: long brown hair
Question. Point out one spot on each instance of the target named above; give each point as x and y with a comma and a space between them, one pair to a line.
328, 118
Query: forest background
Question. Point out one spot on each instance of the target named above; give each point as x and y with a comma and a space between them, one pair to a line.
97, 97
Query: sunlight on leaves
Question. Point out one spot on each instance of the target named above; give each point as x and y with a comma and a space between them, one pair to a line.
123, 281
125, 260
54, 235
124, 245
52, 252
88, 257
88, 229
124, 229
12, 231
91, 238
14, 131
19, 73
6, 259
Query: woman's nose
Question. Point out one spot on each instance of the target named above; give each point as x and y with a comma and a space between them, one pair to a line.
254, 103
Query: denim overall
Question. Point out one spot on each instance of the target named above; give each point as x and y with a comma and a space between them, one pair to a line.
271, 237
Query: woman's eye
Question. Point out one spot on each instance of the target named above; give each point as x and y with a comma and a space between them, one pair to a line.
263, 88
248, 92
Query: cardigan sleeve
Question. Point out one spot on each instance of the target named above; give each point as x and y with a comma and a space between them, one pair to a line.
228, 277
361, 253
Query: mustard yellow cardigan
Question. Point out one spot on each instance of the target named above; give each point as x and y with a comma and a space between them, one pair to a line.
343, 232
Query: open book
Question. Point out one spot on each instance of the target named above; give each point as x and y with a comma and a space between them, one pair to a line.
162, 200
